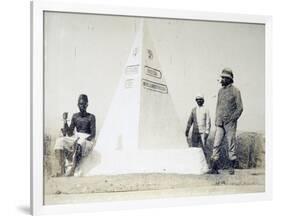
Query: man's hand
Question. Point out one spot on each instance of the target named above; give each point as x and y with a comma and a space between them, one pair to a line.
63, 131
89, 138
206, 135
188, 142
64, 116
186, 134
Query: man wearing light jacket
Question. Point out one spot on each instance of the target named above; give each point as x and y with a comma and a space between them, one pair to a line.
200, 119
229, 109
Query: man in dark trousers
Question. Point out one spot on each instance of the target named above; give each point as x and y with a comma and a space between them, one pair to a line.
229, 109
201, 121
74, 145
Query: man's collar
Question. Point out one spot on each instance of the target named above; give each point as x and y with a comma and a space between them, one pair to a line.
81, 114
228, 86
199, 106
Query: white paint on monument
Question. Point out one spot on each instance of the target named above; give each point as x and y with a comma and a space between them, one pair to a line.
142, 132
160, 127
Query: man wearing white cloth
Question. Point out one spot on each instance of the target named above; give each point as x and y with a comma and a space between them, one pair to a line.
200, 119
75, 145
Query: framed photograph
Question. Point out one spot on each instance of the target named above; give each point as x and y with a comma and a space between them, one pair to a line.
139, 107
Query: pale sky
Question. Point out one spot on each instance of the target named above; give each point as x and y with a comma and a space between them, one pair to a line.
87, 53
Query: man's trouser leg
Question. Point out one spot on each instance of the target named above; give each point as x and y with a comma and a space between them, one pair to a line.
203, 141
218, 143
196, 139
60, 145
203, 144
230, 133
216, 150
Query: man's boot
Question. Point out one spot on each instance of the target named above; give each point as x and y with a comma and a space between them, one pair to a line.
231, 168
213, 167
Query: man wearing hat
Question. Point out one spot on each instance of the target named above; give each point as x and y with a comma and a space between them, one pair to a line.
76, 144
200, 119
229, 109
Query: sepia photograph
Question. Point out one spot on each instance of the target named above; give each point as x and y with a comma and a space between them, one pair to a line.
142, 108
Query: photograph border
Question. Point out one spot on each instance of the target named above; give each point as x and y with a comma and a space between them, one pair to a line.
37, 104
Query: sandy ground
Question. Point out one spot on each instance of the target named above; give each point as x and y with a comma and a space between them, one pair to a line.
66, 190
152, 194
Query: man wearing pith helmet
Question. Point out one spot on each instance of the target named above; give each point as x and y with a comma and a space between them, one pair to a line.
229, 109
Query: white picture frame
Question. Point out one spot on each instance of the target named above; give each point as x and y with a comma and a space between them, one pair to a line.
37, 92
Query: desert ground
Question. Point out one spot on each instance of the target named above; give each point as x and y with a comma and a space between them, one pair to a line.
64, 190
249, 178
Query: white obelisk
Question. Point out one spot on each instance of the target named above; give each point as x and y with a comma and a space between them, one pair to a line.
142, 132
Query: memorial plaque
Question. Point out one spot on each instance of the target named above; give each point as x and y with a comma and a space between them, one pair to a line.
132, 69
154, 86
153, 72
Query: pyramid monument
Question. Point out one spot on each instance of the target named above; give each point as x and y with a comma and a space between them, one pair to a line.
142, 132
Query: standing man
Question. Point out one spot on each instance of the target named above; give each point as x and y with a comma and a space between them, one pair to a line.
200, 119
229, 109
74, 145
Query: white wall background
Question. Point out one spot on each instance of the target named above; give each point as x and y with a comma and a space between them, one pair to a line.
86, 54
15, 98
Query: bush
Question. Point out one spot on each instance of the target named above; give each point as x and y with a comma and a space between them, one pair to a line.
250, 150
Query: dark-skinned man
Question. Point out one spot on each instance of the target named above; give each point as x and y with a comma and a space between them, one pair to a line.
201, 121
229, 109
74, 145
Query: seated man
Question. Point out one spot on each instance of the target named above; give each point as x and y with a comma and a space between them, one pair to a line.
73, 146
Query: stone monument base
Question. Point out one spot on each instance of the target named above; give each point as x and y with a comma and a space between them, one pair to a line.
179, 161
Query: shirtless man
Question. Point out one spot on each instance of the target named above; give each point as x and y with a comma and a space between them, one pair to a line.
74, 145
